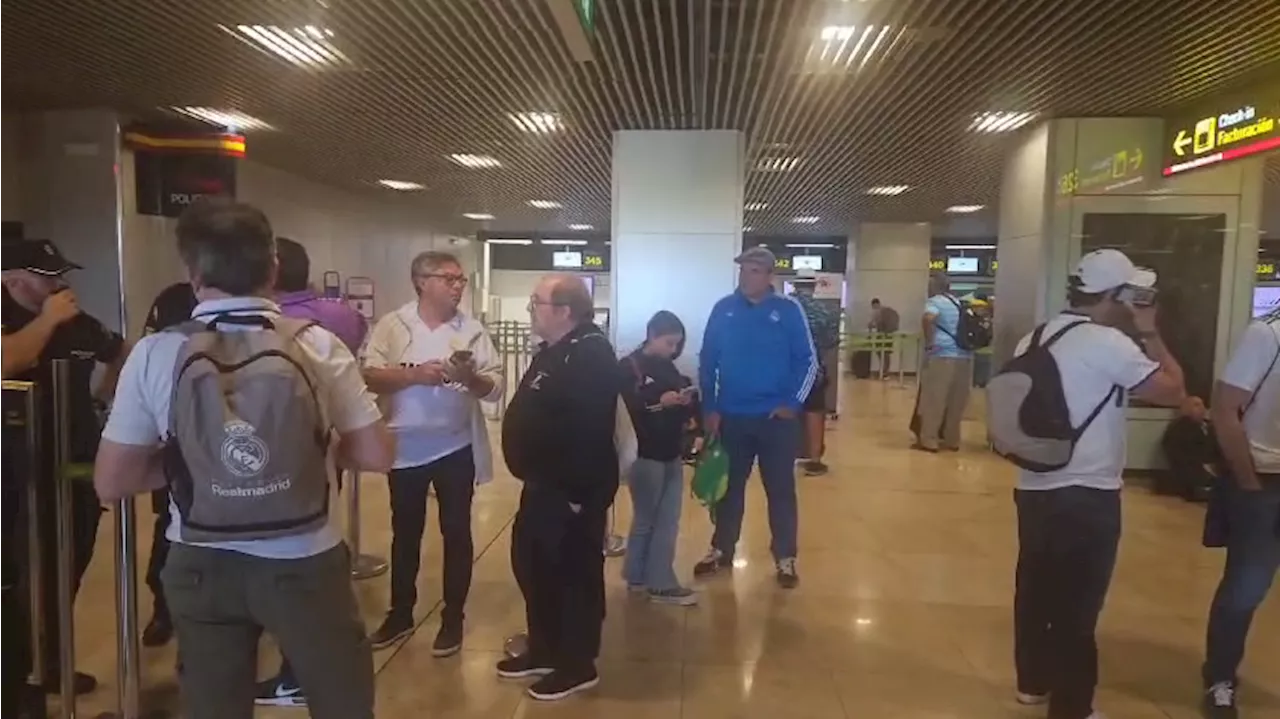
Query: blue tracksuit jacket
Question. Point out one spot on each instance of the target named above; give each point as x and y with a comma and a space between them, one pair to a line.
756, 357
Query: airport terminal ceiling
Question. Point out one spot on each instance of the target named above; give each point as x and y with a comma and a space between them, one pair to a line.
853, 111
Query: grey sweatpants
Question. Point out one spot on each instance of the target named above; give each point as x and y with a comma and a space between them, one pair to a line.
222, 601
944, 392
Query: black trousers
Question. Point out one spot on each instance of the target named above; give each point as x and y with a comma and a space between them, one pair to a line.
86, 513
557, 556
159, 551
454, 478
1067, 542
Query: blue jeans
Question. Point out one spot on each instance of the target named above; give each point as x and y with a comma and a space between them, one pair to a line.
774, 442
657, 490
1253, 557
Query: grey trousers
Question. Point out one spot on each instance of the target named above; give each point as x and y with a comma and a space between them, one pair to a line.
944, 392
222, 601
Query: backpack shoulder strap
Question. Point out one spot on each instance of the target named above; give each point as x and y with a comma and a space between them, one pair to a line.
1079, 431
291, 327
1058, 335
1271, 324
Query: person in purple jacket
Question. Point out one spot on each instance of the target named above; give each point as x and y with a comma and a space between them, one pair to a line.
297, 299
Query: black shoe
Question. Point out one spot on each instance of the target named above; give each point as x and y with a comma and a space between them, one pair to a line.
560, 684
522, 667
815, 468
713, 562
280, 691
394, 628
448, 640
158, 631
1220, 701
787, 576
84, 683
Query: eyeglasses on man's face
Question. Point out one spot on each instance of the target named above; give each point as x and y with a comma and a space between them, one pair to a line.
448, 278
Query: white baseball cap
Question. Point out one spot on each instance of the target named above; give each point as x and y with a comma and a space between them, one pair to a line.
1103, 270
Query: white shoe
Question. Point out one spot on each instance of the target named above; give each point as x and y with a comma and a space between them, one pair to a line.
1031, 700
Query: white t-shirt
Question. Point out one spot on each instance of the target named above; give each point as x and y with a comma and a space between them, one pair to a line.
431, 422
140, 413
1093, 360
1248, 370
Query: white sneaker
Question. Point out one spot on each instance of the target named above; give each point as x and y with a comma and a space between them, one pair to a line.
1031, 700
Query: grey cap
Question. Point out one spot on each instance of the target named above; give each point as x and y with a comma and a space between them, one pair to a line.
758, 255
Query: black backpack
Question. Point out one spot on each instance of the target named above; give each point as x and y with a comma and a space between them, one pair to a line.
973, 332
1028, 420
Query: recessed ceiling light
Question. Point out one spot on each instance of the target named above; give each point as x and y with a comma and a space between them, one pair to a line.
1002, 121
580, 227
475, 162
477, 215
748, 228
402, 185
540, 123
811, 245
501, 241
964, 209
545, 204
839, 46
970, 247
309, 47
806, 220
777, 164
837, 32
553, 241
757, 206
229, 119
888, 189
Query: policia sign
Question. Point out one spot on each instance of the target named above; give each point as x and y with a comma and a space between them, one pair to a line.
1240, 126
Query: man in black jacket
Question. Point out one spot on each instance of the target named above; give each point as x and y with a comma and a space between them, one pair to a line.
557, 437
174, 304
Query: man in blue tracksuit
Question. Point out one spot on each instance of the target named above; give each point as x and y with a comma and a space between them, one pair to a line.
756, 368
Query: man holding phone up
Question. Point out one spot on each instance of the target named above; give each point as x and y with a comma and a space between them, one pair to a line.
433, 365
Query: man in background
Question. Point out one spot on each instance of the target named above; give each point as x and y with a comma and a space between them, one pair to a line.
297, 298
172, 306
884, 321
947, 372
756, 369
824, 326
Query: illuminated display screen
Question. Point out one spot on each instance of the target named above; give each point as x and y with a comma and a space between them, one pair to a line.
1232, 131
567, 260
807, 262
962, 265
1265, 299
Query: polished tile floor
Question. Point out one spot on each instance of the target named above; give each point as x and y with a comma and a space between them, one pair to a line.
903, 611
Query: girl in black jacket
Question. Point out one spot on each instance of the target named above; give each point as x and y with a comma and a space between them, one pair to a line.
659, 399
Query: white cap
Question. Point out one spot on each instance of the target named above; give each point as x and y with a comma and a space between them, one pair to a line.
1103, 270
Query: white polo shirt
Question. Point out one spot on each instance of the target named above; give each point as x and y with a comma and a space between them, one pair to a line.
140, 413
1094, 360
433, 422
1254, 368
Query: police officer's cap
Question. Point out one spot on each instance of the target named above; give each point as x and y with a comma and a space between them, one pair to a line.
39, 256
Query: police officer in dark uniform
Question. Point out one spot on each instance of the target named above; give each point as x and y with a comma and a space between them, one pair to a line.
42, 323
174, 304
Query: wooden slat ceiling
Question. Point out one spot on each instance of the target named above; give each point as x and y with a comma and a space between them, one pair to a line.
884, 95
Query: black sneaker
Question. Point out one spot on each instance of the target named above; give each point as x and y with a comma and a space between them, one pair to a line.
394, 628
84, 683
522, 667
158, 631
280, 691
787, 576
1220, 701
713, 562
815, 468
561, 684
448, 640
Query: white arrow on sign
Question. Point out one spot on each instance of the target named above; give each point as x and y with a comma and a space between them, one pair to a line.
1180, 143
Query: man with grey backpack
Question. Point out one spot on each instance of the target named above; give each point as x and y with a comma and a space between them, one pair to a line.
1057, 410
238, 412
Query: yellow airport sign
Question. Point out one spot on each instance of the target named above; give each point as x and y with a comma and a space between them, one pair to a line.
1244, 128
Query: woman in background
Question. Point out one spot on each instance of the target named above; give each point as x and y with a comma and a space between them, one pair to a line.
660, 401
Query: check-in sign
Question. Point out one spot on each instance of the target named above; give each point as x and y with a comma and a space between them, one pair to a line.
1233, 131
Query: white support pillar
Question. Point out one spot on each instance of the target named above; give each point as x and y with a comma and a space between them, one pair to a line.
890, 262
677, 225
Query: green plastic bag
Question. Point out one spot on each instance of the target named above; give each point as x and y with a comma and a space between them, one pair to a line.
711, 475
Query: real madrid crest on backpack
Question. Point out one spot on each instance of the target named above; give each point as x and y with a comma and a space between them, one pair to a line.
246, 456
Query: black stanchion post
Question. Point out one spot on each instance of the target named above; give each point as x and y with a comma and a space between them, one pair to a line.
127, 669
66, 565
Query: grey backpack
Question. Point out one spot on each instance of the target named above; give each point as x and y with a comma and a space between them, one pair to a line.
246, 456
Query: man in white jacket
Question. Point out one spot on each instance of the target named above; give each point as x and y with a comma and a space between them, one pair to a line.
432, 366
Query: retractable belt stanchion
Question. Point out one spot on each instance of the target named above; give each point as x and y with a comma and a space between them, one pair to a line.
127, 667
363, 566
62, 502
23, 396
